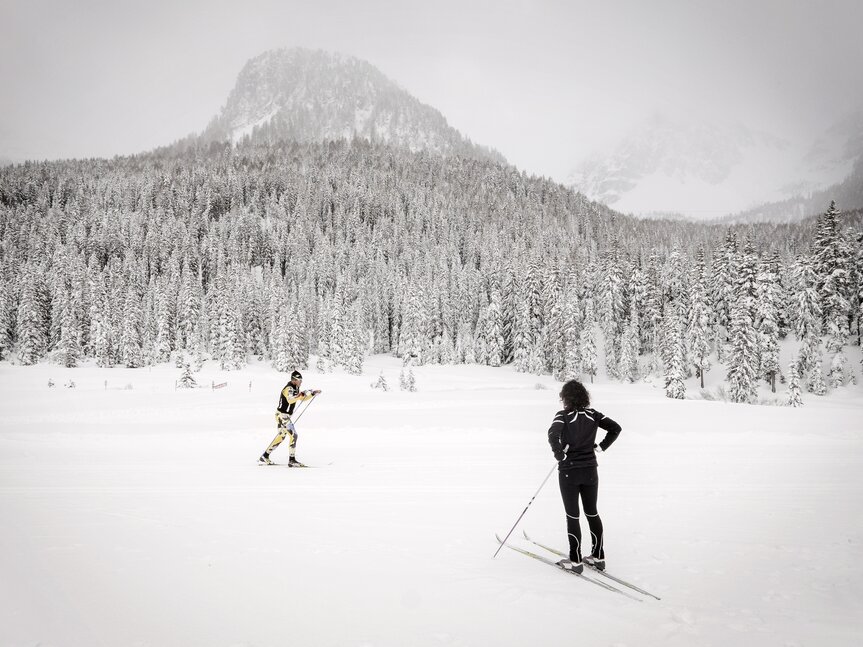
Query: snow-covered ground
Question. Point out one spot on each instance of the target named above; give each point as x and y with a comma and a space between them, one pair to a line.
137, 516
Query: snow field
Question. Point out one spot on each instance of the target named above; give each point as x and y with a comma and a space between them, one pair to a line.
139, 517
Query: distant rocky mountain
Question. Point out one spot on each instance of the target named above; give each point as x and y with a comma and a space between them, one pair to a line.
707, 171
307, 95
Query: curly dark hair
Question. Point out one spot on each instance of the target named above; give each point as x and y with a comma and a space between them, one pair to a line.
574, 396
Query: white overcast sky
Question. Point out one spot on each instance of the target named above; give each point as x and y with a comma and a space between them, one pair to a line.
543, 82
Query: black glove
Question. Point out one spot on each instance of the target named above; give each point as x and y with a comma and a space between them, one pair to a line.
561, 455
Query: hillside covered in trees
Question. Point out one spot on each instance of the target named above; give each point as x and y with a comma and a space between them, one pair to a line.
339, 249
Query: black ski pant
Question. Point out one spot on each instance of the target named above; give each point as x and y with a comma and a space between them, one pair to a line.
583, 482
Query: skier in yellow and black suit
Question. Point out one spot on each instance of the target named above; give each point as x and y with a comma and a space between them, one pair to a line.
289, 397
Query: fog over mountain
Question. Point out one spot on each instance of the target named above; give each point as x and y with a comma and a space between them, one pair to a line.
706, 170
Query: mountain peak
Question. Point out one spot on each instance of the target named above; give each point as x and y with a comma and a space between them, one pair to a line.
313, 95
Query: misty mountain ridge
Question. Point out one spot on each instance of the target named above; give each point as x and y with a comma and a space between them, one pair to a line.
706, 171
313, 96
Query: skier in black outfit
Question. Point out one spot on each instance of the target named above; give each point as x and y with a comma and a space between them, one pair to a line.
288, 399
572, 437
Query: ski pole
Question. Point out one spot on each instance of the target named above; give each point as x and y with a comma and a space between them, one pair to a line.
523, 512
306, 408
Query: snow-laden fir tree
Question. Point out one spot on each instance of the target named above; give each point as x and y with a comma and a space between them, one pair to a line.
164, 325
407, 381
412, 339
131, 342
5, 319
651, 319
698, 323
284, 359
767, 317
805, 312
553, 340
522, 343
610, 309
816, 383
494, 343
572, 363
742, 352
628, 369
533, 323
675, 366
189, 302
354, 348
324, 361
832, 260
31, 324
187, 380
725, 263
587, 341
381, 383
836, 376
795, 397
68, 351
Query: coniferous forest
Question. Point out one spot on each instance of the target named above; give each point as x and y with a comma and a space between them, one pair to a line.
282, 251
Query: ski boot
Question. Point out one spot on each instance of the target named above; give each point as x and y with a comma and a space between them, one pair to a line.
293, 462
265, 460
568, 565
595, 562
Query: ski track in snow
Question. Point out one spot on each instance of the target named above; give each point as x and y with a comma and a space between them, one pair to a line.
139, 517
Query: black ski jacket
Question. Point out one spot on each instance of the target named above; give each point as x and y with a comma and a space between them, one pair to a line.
572, 436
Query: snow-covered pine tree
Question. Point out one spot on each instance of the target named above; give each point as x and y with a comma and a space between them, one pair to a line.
675, 364
283, 360
189, 302
572, 361
767, 316
508, 312
411, 339
355, 347
806, 312
68, 349
698, 323
795, 397
407, 381
5, 319
522, 344
638, 303
816, 383
552, 347
833, 269
31, 325
836, 376
628, 369
611, 309
587, 341
651, 318
131, 341
533, 323
742, 352
723, 289
187, 380
164, 334
494, 343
